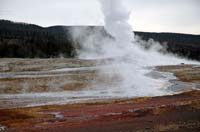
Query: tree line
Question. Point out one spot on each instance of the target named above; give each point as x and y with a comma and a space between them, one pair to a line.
22, 40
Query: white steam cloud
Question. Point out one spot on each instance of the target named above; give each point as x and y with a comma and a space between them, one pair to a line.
130, 59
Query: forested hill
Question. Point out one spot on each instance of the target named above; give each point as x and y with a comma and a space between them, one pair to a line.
21, 40
182, 44
29, 41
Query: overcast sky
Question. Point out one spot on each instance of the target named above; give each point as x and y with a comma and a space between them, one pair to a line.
146, 15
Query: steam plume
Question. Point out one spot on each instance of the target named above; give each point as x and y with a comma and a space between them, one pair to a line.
130, 59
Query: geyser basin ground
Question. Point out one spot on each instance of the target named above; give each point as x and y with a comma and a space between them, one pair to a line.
177, 112
33, 82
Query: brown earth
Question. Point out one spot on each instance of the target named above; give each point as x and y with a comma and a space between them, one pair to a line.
177, 113
20, 65
39, 75
186, 73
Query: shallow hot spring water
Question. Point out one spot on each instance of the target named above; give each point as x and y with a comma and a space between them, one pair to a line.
104, 85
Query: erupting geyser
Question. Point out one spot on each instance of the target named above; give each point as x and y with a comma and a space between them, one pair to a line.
120, 67
129, 58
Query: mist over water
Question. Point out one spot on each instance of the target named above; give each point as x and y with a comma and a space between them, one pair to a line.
130, 60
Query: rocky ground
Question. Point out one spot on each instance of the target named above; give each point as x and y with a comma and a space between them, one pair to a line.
179, 112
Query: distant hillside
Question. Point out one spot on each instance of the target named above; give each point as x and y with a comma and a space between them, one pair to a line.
23, 40
186, 45
29, 41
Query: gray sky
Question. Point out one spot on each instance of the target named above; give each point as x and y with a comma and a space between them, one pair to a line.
146, 15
